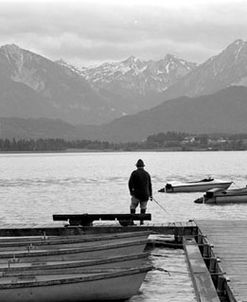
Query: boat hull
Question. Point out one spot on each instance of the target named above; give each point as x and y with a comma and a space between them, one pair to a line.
67, 242
29, 268
195, 187
224, 197
95, 251
118, 285
40, 240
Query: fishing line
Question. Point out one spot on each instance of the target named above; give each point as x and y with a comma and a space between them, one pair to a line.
161, 206
238, 187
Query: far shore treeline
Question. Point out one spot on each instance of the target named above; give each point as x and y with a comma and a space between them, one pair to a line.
170, 141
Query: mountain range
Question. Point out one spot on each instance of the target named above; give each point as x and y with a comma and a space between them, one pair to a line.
133, 85
34, 86
122, 101
227, 68
222, 112
139, 77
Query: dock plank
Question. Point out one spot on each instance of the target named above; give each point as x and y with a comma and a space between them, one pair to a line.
203, 284
229, 240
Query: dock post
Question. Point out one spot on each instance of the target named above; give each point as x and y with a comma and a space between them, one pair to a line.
206, 250
201, 242
212, 269
221, 285
178, 236
212, 265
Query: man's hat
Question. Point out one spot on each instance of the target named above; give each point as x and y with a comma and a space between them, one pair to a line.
140, 163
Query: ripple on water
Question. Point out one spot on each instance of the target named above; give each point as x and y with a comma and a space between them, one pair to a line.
172, 286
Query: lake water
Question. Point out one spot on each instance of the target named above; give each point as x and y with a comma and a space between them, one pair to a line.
35, 186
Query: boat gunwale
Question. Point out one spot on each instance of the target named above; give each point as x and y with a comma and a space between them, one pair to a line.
75, 239
95, 277
75, 263
36, 253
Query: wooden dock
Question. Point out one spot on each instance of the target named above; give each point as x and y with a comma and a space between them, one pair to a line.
223, 245
216, 251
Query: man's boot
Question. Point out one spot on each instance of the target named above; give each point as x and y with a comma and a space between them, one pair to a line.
143, 211
132, 211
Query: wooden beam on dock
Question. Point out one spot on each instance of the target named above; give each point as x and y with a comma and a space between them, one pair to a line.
88, 219
177, 229
202, 281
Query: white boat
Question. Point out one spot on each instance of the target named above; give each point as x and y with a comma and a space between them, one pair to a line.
117, 284
28, 268
219, 196
25, 243
92, 251
70, 238
195, 186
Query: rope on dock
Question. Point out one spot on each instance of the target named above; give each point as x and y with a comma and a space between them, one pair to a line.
169, 271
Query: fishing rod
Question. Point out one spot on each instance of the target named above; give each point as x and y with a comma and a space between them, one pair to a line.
160, 205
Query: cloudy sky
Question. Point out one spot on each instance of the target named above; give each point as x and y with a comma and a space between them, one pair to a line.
85, 32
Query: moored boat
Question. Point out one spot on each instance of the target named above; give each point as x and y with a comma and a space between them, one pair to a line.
219, 196
25, 243
92, 251
27, 268
71, 238
118, 284
195, 186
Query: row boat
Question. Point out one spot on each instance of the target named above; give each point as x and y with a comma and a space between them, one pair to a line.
195, 186
109, 285
84, 267
219, 196
126, 261
85, 237
92, 251
79, 241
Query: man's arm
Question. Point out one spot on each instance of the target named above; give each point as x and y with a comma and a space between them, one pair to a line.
130, 184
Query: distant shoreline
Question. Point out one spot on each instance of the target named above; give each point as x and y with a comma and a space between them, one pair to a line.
112, 151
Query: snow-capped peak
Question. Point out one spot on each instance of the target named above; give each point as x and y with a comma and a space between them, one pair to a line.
142, 76
131, 60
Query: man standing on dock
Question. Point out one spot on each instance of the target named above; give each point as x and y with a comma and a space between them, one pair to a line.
140, 187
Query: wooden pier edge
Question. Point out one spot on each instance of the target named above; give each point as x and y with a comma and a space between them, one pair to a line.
203, 285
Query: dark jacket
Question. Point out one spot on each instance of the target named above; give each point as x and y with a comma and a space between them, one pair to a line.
140, 185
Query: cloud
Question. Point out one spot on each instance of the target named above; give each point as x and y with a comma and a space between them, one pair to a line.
92, 31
